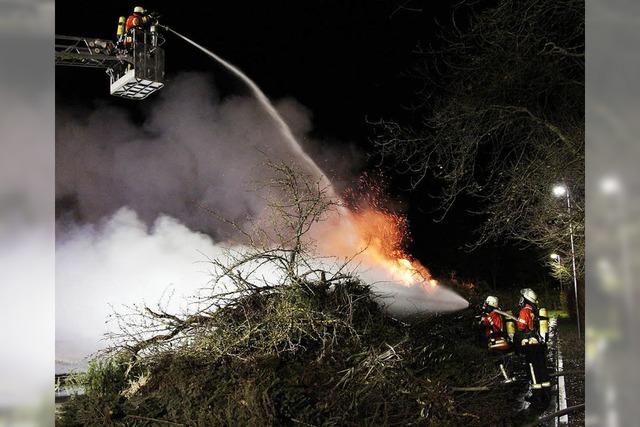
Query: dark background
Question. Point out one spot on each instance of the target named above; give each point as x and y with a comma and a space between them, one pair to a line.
350, 62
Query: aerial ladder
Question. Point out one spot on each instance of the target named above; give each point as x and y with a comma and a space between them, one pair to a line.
135, 69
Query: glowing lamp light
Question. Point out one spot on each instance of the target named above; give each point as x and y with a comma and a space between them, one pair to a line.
610, 185
559, 190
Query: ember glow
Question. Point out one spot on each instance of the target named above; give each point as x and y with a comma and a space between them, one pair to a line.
410, 272
378, 237
382, 236
375, 239
402, 284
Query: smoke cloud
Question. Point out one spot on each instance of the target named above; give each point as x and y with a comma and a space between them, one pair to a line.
131, 225
122, 261
193, 149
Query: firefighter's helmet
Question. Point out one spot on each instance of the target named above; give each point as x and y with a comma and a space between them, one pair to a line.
529, 295
138, 9
491, 301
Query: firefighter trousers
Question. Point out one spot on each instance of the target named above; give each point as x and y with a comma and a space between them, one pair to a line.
537, 366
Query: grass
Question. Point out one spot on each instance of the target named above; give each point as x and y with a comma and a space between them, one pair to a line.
560, 314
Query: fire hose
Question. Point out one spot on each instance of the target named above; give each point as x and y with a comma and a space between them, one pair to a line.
505, 314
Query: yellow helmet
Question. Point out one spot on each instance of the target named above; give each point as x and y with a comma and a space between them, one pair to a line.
138, 9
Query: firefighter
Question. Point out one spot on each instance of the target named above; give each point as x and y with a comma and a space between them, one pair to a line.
137, 21
496, 338
529, 341
492, 321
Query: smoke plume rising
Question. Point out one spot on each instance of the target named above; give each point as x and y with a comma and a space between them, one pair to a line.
192, 150
131, 224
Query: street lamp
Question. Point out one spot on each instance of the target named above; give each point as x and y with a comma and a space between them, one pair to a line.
560, 190
610, 185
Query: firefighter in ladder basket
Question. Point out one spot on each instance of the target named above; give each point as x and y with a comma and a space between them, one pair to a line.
139, 20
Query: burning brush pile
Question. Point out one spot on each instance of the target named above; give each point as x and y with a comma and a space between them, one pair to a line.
374, 239
303, 355
297, 343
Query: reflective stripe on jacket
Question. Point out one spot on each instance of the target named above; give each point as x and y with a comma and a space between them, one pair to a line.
526, 319
493, 321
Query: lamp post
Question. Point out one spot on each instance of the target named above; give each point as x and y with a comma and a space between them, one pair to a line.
563, 298
560, 190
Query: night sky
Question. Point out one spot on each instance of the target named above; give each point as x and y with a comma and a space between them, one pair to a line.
347, 61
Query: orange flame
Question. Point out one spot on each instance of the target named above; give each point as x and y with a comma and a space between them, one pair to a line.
378, 237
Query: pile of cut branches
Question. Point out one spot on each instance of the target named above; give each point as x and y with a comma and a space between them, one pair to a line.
302, 354
301, 346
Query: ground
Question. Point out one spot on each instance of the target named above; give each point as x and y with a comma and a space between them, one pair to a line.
309, 356
572, 349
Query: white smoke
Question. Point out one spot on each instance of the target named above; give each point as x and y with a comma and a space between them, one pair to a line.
122, 261
192, 150
131, 226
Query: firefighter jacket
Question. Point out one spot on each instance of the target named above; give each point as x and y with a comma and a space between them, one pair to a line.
526, 319
527, 324
493, 322
137, 20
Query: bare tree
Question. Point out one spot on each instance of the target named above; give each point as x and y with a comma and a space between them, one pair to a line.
502, 122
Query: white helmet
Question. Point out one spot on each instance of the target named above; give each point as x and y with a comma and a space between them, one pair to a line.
491, 301
138, 9
529, 295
